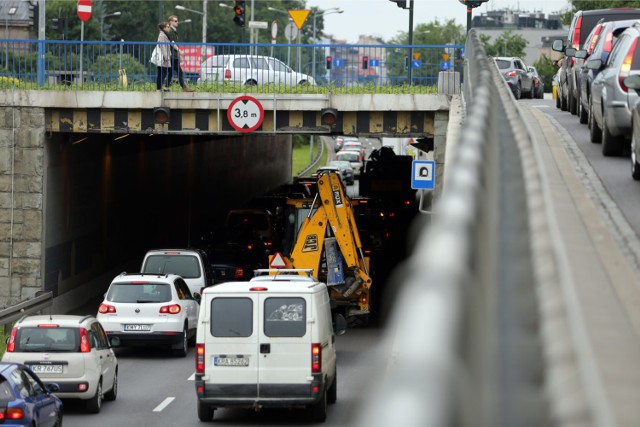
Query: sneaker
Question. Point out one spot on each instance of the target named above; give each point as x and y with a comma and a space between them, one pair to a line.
186, 89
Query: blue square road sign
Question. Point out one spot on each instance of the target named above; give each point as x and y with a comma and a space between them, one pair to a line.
423, 174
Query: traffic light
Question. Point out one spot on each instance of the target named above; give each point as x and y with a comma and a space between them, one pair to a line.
58, 24
329, 116
329, 62
161, 115
365, 62
473, 3
400, 3
406, 62
238, 11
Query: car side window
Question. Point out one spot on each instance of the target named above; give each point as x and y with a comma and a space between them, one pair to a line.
36, 388
278, 66
18, 380
101, 336
616, 51
261, 64
93, 339
182, 289
241, 62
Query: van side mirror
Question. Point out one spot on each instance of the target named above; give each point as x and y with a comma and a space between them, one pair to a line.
339, 324
570, 52
197, 297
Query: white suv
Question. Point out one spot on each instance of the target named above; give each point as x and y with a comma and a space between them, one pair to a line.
71, 351
150, 309
251, 70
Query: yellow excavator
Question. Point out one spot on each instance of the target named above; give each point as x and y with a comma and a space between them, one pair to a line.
325, 239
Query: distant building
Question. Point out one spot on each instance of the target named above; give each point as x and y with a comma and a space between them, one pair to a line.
17, 19
537, 29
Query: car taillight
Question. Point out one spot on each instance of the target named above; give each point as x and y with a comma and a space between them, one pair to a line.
85, 345
608, 42
594, 39
199, 358
227, 74
625, 68
575, 43
510, 73
170, 309
316, 358
11, 343
239, 273
48, 325
12, 414
106, 308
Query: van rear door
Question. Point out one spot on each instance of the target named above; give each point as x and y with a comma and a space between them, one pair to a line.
285, 346
232, 346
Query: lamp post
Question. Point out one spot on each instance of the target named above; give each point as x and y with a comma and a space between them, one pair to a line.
102, 18
316, 13
204, 24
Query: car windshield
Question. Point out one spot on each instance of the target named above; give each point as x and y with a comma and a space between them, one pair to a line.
502, 64
39, 339
186, 266
139, 292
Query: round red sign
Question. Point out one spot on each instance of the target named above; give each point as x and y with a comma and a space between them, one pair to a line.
84, 9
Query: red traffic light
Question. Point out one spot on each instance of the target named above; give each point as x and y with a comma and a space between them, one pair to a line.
329, 62
238, 11
365, 62
329, 116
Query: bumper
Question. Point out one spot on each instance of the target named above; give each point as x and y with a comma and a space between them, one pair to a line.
619, 119
271, 395
70, 389
147, 338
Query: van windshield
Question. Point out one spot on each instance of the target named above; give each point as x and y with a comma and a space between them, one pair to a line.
186, 266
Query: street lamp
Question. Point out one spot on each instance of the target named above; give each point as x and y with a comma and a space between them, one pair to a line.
102, 18
316, 13
204, 24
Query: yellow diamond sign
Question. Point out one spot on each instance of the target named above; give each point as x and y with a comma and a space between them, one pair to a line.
299, 17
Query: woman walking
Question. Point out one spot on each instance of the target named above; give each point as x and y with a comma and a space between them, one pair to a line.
164, 66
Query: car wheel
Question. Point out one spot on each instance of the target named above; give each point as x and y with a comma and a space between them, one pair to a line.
517, 92
573, 105
180, 349
635, 166
95, 403
595, 133
318, 411
113, 393
58, 420
251, 83
584, 114
205, 412
610, 144
558, 101
332, 393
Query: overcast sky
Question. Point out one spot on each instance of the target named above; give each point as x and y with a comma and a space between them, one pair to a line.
383, 19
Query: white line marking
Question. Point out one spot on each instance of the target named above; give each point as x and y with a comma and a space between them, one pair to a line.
192, 377
164, 404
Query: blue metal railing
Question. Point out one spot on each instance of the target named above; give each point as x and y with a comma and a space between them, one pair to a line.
89, 65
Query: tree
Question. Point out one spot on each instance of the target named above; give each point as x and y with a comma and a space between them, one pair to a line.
506, 44
546, 70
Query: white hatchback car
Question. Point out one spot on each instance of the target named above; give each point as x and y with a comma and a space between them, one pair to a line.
251, 70
150, 309
71, 351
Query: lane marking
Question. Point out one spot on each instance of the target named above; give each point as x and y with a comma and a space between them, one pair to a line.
192, 377
164, 404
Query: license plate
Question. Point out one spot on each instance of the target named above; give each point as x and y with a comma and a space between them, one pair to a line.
230, 361
46, 369
137, 327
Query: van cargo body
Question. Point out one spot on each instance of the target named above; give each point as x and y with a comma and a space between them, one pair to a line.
265, 343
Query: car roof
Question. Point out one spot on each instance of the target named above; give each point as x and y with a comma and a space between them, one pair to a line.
66, 320
164, 277
175, 251
280, 283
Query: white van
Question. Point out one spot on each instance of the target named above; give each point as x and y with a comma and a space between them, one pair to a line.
269, 342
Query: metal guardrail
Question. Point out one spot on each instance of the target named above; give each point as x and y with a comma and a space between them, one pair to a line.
89, 65
32, 305
463, 347
314, 163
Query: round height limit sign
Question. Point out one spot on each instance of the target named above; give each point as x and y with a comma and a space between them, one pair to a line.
245, 114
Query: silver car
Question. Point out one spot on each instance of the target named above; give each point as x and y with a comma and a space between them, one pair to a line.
611, 100
251, 70
517, 75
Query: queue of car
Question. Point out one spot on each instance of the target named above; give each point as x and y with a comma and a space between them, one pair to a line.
599, 79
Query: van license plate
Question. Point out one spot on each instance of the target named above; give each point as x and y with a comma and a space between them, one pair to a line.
230, 361
46, 369
137, 327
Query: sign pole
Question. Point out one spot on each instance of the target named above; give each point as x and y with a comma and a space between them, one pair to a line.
81, 51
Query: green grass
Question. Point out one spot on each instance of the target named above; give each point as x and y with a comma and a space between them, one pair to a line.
3, 339
301, 157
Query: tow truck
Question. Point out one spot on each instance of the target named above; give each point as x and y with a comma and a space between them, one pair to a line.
323, 236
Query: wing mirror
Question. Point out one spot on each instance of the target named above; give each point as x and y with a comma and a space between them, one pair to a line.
570, 52
594, 64
633, 82
581, 54
558, 45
